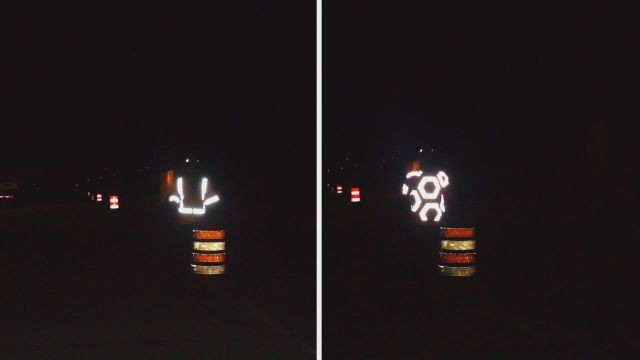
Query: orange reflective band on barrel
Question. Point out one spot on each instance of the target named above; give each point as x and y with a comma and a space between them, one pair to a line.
454, 258
208, 270
208, 258
458, 271
208, 245
458, 232
208, 234
458, 244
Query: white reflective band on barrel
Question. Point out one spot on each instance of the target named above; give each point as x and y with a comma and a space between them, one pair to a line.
208, 245
457, 270
208, 270
457, 244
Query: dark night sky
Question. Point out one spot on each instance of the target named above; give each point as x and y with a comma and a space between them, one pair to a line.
95, 85
511, 93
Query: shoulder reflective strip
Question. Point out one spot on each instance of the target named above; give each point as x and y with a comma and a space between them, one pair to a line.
208, 246
208, 234
414, 174
458, 244
203, 187
208, 270
457, 271
208, 258
457, 258
458, 232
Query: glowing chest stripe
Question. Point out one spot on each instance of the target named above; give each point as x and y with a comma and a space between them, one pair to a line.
195, 211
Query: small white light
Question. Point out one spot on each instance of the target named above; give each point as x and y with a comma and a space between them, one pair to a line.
420, 150
187, 160
405, 189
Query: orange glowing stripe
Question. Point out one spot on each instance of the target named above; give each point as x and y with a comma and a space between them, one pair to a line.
208, 258
458, 232
208, 234
457, 258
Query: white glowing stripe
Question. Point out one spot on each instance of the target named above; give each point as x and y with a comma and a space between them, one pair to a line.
442, 202
209, 245
405, 189
458, 244
180, 188
443, 179
198, 211
114, 206
355, 193
208, 270
414, 174
457, 270
417, 202
355, 200
430, 206
204, 183
211, 200
174, 199
184, 210
423, 190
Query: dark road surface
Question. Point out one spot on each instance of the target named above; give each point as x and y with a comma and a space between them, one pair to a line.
84, 282
544, 289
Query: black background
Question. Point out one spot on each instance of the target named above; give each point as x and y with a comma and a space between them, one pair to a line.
530, 109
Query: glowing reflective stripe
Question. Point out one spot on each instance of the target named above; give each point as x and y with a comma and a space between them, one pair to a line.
417, 202
180, 188
458, 232
430, 206
423, 191
208, 234
211, 200
442, 202
207, 258
203, 187
405, 189
355, 200
355, 192
208, 246
457, 258
193, 211
414, 174
458, 244
208, 270
98, 197
443, 179
457, 270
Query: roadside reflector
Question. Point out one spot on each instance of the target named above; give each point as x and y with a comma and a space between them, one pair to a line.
98, 197
113, 202
355, 194
208, 270
339, 189
458, 232
208, 246
207, 258
208, 234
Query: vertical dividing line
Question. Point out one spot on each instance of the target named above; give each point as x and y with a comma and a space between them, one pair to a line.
319, 179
